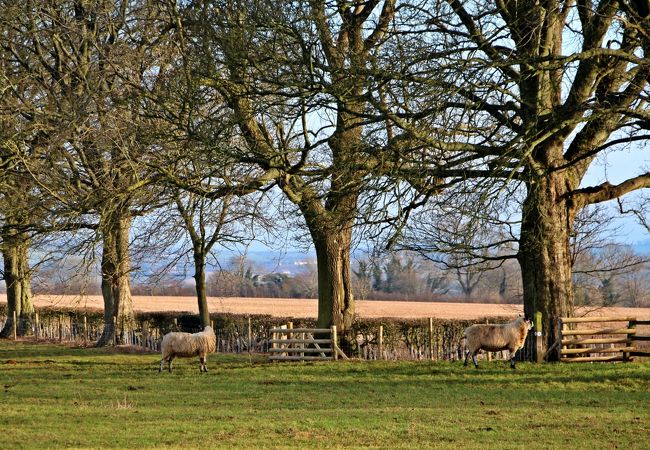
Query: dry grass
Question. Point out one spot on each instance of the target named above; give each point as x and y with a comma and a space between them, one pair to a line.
307, 308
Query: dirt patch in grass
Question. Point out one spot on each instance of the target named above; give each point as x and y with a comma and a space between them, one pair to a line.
132, 350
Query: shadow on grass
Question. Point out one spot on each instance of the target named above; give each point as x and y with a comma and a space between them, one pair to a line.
451, 373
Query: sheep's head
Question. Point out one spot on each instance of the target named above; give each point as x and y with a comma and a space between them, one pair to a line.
523, 331
526, 321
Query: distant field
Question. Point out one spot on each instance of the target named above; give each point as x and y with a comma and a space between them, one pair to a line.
61, 397
308, 308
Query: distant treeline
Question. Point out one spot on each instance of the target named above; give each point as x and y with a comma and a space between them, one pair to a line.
397, 277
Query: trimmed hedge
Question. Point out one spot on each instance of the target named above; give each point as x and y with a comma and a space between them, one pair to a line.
402, 338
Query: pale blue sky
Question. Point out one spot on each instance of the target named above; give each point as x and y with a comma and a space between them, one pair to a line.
616, 167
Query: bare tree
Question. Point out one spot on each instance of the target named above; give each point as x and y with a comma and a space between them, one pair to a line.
90, 149
602, 272
15, 241
634, 286
552, 86
21, 212
195, 226
296, 79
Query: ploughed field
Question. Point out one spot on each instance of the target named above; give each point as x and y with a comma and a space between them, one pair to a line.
306, 308
55, 396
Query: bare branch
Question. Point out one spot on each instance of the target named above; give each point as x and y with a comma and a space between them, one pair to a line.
607, 191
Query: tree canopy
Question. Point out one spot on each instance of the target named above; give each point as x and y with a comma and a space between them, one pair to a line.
359, 112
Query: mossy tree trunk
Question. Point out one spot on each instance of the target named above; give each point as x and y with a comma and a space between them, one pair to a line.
115, 270
544, 254
335, 298
17, 276
199, 279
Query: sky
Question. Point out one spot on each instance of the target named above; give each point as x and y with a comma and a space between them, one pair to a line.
616, 167
613, 166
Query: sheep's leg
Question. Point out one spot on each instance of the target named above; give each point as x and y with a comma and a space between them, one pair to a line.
512, 359
474, 358
466, 357
163, 360
171, 359
203, 368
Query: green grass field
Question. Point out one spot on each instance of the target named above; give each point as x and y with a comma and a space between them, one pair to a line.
54, 396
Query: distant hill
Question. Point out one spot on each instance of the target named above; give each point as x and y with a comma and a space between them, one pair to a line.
290, 262
262, 262
642, 247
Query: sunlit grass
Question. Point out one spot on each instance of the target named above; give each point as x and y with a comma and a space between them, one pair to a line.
54, 396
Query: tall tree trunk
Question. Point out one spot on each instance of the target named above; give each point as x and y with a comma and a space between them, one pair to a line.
17, 276
199, 279
335, 299
544, 255
108, 268
123, 303
116, 290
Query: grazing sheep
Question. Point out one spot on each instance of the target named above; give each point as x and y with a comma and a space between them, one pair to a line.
493, 338
188, 345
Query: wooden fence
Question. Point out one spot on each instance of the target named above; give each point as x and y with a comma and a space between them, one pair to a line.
612, 341
432, 342
80, 331
304, 344
428, 339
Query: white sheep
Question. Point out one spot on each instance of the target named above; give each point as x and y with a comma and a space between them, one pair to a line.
178, 344
493, 338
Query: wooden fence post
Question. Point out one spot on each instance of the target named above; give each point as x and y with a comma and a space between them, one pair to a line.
36, 326
14, 327
289, 336
380, 343
560, 329
539, 342
431, 338
274, 336
60, 329
335, 345
631, 324
114, 331
85, 331
250, 335
145, 333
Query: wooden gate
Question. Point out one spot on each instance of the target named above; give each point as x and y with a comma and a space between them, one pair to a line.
615, 339
304, 344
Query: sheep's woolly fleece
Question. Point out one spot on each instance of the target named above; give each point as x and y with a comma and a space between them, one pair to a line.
496, 337
178, 344
189, 344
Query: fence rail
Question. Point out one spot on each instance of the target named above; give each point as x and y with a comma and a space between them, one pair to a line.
612, 343
301, 344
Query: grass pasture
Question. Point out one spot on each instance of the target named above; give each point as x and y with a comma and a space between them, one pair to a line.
54, 396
